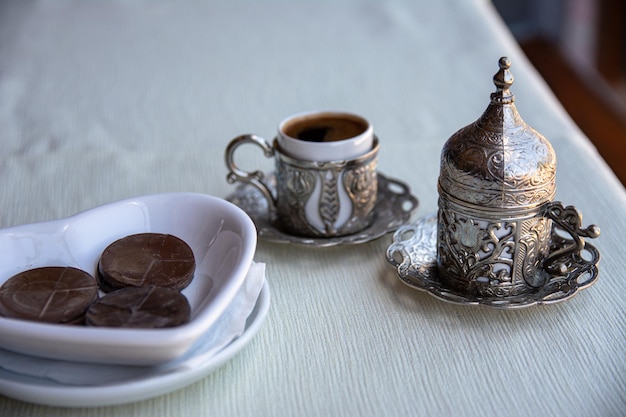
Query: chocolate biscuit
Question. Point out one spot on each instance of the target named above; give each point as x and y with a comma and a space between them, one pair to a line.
53, 294
139, 307
146, 259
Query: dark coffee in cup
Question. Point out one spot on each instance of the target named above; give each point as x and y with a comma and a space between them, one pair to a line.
324, 136
325, 127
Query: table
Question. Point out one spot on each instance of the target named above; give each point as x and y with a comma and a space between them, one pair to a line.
101, 101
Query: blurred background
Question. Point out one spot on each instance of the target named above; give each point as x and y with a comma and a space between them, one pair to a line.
579, 47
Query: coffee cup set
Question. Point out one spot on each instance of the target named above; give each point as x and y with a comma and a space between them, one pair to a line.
498, 238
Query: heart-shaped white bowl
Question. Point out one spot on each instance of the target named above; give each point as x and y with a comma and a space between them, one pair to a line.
221, 235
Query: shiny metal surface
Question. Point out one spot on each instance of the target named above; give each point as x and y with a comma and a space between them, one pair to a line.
414, 255
326, 187
394, 206
496, 215
498, 161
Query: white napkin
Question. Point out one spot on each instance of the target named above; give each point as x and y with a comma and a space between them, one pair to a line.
229, 326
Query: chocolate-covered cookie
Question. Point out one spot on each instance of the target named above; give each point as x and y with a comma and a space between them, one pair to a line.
146, 259
148, 307
53, 294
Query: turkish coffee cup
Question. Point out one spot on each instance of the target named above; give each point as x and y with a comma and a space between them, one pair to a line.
325, 168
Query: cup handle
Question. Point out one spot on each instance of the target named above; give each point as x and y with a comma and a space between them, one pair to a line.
255, 178
569, 220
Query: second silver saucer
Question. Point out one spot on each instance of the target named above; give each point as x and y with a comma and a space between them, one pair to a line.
414, 255
394, 207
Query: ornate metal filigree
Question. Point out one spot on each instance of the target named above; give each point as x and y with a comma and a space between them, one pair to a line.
361, 184
394, 207
413, 253
499, 161
569, 219
311, 198
297, 187
496, 214
494, 258
297, 180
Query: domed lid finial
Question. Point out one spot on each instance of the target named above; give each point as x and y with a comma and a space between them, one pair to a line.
503, 80
498, 162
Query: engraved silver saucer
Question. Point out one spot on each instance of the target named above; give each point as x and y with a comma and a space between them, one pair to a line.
394, 207
414, 255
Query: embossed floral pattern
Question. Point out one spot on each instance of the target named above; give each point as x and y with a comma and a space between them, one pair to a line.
490, 257
498, 161
295, 187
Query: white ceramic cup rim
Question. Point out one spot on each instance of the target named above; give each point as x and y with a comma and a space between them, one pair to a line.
326, 151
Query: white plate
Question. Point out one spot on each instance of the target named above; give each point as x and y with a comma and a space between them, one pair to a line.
223, 240
145, 383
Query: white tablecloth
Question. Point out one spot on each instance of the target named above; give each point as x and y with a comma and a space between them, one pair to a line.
101, 101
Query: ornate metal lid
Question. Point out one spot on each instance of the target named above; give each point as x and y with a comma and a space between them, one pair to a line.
498, 162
